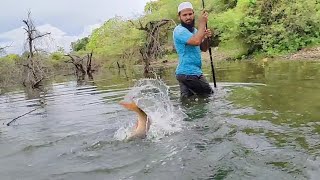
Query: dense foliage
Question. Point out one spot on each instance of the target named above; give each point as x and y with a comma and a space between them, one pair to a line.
280, 26
116, 37
9, 71
80, 44
241, 27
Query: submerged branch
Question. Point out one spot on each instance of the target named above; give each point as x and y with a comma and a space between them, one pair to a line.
13, 120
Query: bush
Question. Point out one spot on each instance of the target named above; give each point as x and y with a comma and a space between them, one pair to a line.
281, 26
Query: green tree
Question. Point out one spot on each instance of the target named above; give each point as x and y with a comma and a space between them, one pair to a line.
80, 44
115, 38
241, 27
281, 26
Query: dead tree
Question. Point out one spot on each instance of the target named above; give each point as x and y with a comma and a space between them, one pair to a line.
33, 71
83, 65
32, 34
3, 49
154, 41
78, 64
89, 66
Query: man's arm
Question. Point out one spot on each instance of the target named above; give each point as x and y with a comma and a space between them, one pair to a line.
196, 39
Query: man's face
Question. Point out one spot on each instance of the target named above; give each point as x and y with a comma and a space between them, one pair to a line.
187, 16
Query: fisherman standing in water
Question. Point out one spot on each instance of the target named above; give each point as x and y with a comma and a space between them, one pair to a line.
189, 42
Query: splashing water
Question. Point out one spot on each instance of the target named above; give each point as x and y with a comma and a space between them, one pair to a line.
152, 96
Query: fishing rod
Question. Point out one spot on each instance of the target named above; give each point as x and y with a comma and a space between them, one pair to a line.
210, 53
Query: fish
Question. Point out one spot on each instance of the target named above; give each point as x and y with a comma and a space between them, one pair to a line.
143, 123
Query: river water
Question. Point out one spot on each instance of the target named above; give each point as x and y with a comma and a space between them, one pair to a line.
263, 122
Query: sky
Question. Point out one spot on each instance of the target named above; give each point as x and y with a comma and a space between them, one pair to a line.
67, 20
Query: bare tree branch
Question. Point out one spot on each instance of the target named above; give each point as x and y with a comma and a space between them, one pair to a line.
140, 27
153, 46
3, 49
32, 33
39, 36
82, 65
131, 22
33, 72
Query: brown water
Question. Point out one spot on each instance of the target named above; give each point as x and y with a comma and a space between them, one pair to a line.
263, 122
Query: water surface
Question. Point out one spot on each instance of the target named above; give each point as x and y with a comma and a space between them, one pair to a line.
263, 122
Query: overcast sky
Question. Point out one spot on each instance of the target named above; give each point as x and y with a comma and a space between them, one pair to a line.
67, 20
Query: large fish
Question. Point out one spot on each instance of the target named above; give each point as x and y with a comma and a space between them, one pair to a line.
143, 122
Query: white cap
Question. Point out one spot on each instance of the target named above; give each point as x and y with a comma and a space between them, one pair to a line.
184, 5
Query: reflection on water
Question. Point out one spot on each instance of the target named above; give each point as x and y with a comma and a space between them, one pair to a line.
261, 123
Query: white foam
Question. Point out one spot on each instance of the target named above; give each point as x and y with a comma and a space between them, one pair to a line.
152, 96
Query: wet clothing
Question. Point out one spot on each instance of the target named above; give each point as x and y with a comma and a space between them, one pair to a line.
188, 71
193, 84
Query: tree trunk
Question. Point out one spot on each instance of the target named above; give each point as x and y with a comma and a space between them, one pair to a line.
153, 46
33, 72
83, 66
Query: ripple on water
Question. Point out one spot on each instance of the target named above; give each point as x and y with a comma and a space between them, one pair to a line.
73, 137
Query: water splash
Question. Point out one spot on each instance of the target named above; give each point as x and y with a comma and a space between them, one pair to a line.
152, 96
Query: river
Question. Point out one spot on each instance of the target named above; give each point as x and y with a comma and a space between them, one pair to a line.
263, 122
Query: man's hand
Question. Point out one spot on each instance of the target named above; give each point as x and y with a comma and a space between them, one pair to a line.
203, 18
208, 33
204, 46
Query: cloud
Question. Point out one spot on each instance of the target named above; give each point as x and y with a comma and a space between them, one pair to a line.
70, 15
66, 20
88, 30
16, 38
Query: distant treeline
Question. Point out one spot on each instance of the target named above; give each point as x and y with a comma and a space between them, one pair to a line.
241, 27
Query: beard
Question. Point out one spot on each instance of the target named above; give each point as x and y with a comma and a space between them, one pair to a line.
190, 27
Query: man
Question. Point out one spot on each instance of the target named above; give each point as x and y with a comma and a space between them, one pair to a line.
189, 42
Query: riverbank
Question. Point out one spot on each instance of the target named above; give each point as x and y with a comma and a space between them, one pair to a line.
310, 53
